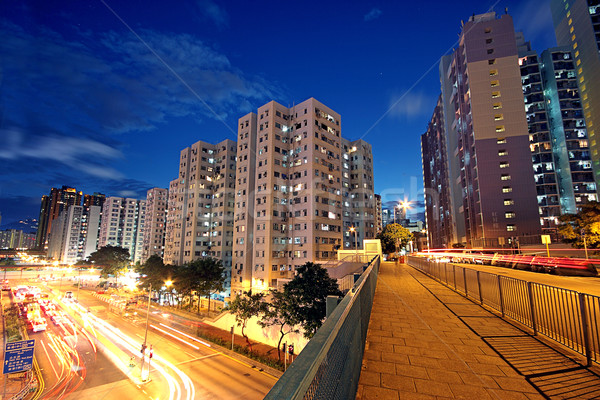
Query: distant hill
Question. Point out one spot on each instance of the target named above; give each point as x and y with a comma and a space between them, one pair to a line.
28, 225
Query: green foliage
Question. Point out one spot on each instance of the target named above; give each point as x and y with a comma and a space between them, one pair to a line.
204, 276
308, 292
13, 324
246, 306
154, 271
8, 261
586, 221
394, 237
281, 312
112, 259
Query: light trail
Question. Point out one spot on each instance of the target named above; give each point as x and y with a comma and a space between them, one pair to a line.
174, 337
185, 334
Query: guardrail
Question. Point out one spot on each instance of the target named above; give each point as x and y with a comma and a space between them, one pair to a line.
329, 366
566, 316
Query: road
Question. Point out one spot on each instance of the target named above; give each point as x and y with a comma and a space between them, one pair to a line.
98, 366
583, 284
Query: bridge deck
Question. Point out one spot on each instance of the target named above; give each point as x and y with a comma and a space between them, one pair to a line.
426, 342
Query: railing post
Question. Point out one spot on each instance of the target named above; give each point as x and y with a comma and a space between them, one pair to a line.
531, 307
479, 288
584, 328
465, 281
454, 275
500, 295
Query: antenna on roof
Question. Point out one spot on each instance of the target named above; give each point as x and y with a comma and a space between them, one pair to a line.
506, 10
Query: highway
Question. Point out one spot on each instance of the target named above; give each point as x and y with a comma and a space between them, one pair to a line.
89, 356
583, 284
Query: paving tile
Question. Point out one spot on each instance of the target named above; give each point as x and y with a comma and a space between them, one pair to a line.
462, 391
412, 371
378, 393
399, 382
432, 387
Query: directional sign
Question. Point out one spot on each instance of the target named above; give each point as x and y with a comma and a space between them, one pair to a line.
18, 356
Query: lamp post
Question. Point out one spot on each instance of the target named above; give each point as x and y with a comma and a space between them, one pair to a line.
353, 230
584, 243
146, 337
168, 284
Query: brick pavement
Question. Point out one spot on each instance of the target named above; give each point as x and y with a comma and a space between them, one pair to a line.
427, 342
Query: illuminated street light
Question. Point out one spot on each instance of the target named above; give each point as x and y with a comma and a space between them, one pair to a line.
353, 229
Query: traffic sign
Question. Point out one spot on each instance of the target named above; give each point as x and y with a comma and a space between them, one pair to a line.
18, 356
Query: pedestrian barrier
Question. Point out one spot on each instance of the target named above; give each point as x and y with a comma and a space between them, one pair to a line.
566, 316
329, 366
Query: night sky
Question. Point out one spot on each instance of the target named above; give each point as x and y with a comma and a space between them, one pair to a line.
103, 95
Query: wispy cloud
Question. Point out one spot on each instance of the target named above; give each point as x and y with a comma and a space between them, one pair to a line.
373, 14
214, 12
410, 105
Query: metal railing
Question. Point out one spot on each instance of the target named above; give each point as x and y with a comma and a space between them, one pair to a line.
563, 315
329, 366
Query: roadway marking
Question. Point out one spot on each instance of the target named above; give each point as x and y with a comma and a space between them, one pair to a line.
198, 358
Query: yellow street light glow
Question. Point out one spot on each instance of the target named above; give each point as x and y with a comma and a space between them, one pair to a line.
168, 283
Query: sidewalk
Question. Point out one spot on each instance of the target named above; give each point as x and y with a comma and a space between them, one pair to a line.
427, 342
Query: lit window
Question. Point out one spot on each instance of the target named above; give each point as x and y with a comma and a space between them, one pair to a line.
502, 153
573, 37
490, 51
488, 30
498, 117
509, 214
577, 53
497, 106
506, 189
574, 45
494, 83
580, 70
492, 61
578, 62
505, 177
509, 202
501, 140
500, 128
511, 228
495, 95
493, 72
504, 164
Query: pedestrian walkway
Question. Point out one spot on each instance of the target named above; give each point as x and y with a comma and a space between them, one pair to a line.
427, 342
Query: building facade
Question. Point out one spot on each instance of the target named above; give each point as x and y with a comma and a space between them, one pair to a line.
577, 26
16, 239
201, 205
51, 207
156, 220
491, 186
299, 187
378, 214
75, 234
122, 225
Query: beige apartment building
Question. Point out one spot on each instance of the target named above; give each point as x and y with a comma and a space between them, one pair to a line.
156, 219
201, 204
299, 187
122, 225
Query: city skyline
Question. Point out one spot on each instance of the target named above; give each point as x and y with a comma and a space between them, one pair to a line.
108, 108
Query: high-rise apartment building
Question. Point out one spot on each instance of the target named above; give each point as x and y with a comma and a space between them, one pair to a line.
122, 225
557, 132
51, 207
156, 220
489, 171
16, 239
577, 26
438, 201
378, 214
201, 204
299, 187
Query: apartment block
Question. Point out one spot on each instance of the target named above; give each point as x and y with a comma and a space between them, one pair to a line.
557, 131
577, 26
122, 225
201, 204
299, 186
51, 206
378, 214
489, 172
156, 220
16, 239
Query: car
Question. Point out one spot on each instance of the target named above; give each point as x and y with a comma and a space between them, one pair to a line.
37, 324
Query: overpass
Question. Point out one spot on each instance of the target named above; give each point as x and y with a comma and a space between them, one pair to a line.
444, 331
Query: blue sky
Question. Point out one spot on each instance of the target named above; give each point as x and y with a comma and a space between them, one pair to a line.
103, 95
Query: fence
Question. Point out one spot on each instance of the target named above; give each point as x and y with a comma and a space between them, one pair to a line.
329, 366
563, 315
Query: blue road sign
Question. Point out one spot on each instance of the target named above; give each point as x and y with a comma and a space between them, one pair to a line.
18, 356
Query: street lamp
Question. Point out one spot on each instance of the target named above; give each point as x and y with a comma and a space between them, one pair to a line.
146, 337
353, 229
168, 284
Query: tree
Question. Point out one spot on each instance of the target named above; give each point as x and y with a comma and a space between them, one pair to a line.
204, 276
281, 312
112, 259
246, 306
309, 290
585, 223
154, 271
393, 237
